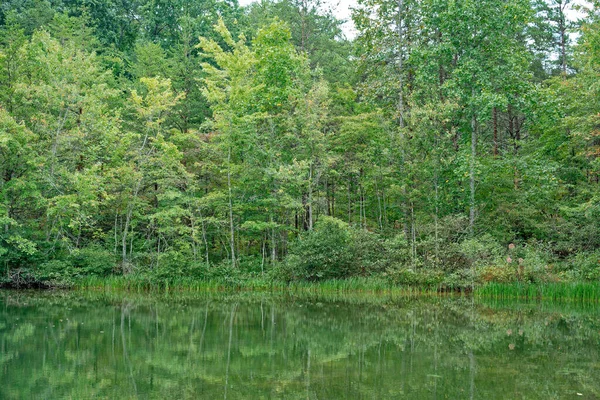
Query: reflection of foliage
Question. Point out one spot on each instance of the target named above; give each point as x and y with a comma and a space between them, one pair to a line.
82, 346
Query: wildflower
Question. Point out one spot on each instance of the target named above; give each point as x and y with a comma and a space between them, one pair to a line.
511, 346
511, 246
508, 259
509, 332
521, 261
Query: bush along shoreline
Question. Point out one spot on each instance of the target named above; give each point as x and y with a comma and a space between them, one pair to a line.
337, 257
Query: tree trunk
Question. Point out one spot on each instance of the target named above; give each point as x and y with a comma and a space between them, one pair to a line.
204, 237
333, 198
127, 223
436, 216
495, 121
379, 207
400, 33
472, 172
305, 211
327, 197
231, 227
310, 199
349, 199
562, 26
413, 234
273, 243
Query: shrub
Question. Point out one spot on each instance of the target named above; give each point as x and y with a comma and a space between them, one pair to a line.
94, 260
369, 252
587, 265
480, 251
533, 261
222, 272
252, 264
451, 257
497, 273
55, 273
397, 252
173, 264
326, 252
462, 278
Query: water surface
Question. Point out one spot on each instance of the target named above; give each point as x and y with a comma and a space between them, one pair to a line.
260, 346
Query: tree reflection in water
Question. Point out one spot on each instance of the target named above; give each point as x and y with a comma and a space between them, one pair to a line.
73, 345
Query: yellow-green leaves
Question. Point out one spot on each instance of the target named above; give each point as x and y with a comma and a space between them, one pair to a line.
157, 100
228, 78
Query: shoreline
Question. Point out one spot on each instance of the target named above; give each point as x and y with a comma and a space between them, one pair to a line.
552, 291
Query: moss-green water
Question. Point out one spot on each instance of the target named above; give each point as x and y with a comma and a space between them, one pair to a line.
244, 344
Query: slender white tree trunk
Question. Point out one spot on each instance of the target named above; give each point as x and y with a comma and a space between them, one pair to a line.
472, 172
231, 227
310, 198
400, 33
130, 207
204, 237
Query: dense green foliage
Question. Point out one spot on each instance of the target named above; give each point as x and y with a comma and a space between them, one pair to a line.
449, 143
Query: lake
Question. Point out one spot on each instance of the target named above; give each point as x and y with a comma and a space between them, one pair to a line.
74, 345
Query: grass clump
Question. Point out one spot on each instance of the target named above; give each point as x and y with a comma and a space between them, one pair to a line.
574, 291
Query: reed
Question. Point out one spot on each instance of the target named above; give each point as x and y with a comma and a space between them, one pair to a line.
138, 283
572, 291
578, 291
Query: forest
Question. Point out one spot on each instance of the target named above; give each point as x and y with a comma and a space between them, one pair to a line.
447, 142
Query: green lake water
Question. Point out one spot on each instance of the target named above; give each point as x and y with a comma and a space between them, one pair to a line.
56, 345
